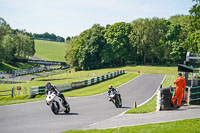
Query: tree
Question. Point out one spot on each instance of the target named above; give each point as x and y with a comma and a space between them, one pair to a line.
4, 30
156, 29
193, 37
118, 41
84, 51
194, 41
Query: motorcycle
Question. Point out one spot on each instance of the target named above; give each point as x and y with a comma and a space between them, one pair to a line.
56, 103
115, 98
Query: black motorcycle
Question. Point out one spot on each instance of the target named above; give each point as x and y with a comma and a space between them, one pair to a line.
115, 98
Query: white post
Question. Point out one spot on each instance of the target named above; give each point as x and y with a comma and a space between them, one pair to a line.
188, 102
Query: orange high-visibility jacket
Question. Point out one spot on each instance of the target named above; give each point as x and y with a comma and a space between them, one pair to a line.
180, 84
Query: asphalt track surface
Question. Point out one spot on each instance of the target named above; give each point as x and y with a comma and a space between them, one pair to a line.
37, 116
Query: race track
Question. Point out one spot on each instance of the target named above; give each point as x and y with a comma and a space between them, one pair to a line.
36, 117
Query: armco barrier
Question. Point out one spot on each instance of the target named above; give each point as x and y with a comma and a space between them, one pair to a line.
78, 84
74, 85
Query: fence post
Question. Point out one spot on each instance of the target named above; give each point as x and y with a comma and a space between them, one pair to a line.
12, 92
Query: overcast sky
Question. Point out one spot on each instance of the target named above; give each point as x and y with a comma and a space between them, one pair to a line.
71, 17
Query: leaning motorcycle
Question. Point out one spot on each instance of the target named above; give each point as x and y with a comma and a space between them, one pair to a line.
56, 103
114, 97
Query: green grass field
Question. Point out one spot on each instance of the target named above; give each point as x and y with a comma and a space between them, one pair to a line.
51, 51
182, 126
7, 67
65, 77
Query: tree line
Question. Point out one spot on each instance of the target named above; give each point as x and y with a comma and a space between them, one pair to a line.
14, 43
143, 41
48, 37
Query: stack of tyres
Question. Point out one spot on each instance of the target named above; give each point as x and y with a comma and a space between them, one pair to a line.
165, 99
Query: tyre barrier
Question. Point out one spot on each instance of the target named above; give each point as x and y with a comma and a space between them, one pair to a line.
163, 99
40, 90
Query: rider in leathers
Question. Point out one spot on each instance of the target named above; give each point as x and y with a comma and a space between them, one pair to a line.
111, 89
49, 87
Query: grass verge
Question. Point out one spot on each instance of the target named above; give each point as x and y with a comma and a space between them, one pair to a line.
181, 126
151, 105
148, 107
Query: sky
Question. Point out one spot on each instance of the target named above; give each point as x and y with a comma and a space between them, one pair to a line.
71, 17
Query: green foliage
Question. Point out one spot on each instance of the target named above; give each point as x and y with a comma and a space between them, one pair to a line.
144, 41
48, 37
193, 39
83, 52
14, 44
181, 126
118, 46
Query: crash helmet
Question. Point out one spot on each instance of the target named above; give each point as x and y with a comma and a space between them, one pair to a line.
110, 87
48, 85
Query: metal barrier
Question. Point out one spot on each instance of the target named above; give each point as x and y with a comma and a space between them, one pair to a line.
39, 90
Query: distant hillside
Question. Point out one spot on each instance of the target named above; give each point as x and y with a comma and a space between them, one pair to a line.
51, 51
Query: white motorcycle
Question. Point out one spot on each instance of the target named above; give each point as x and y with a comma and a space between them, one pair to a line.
114, 97
56, 103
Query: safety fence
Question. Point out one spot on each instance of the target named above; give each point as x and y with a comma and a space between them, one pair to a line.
194, 96
21, 72
15, 91
75, 85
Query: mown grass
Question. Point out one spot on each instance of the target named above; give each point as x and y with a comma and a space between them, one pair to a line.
181, 126
65, 77
152, 69
148, 107
51, 51
102, 86
7, 67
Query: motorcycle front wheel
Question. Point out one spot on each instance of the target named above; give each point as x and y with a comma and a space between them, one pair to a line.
54, 109
116, 103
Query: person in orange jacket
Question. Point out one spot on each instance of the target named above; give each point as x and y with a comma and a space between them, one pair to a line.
180, 85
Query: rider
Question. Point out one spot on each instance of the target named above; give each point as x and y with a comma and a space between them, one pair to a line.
49, 87
111, 89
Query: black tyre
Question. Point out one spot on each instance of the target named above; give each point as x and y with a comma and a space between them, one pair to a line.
116, 103
165, 107
165, 91
120, 105
166, 103
165, 98
67, 108
54, 109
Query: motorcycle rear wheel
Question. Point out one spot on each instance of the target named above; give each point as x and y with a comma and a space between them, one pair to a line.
67, 108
